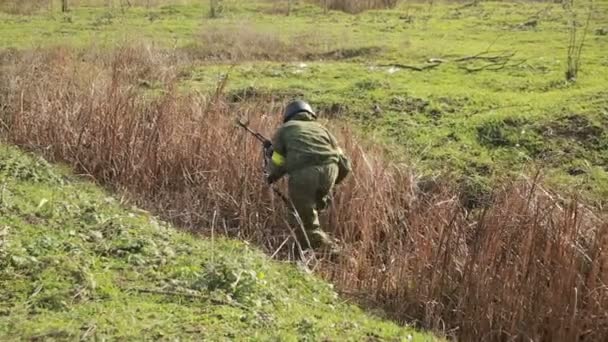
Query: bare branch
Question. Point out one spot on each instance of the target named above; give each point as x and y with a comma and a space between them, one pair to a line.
484, 56
491, 66
413, 67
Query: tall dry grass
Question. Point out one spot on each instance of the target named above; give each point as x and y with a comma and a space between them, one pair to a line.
356, 6
531, 266
24, 7
31, 6
244, 41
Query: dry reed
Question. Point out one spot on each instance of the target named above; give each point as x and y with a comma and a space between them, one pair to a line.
244, 41
531, 266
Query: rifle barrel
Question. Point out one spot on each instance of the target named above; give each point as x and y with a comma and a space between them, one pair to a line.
257, 135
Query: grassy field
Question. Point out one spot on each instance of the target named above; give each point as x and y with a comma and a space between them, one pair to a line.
76, 263
448, 118
411, 247
439, 106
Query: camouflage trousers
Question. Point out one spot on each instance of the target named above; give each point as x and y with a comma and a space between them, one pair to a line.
309, 191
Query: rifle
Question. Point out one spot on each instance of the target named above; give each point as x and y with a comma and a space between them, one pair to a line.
266, 153
266, 143
261, 138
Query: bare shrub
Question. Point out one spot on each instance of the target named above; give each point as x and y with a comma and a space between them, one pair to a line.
243, 41
576, 41
356, 6
532, 266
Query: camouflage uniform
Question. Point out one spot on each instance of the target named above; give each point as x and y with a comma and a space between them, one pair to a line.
308, 153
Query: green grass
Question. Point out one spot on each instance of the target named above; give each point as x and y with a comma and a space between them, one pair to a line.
473, 124
485, 123
77, 263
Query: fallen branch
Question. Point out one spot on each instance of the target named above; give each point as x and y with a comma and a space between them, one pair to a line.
413, 67
436, 60
528, 24
484, 56
492, 62
490, 66
498, 60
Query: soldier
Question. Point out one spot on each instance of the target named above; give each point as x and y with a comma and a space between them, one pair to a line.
306, 151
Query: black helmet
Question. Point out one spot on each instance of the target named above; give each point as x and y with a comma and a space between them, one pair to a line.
296, 107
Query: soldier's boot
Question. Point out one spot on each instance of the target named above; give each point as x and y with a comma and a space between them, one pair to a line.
319, 239
324, 244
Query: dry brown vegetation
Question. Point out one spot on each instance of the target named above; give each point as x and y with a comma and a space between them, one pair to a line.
32, 6
243, 41
356, 6
531, 266
23, 7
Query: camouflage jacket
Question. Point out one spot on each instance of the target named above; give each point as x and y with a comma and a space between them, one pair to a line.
302, 142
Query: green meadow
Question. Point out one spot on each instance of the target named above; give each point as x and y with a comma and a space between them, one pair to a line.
478, 92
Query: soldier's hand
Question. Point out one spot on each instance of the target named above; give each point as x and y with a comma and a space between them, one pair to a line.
270, 179
268, 152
